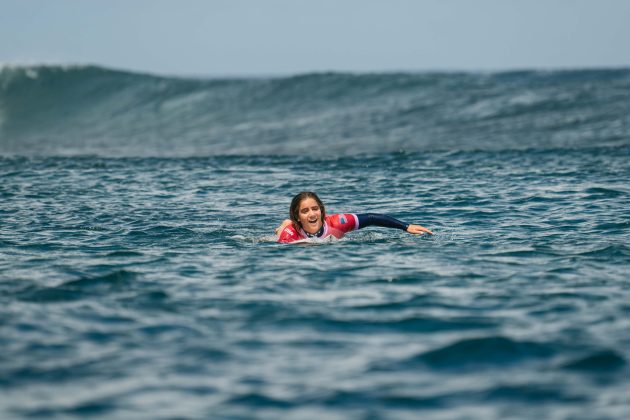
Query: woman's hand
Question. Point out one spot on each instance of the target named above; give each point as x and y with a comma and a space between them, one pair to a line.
418, 230
284, 224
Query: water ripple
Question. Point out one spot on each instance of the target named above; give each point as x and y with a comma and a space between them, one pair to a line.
133, 286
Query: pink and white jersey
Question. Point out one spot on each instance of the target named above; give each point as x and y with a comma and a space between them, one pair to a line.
336, 225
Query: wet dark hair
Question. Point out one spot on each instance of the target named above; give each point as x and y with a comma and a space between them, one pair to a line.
294, 210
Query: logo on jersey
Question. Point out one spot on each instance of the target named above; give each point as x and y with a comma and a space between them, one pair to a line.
342, 220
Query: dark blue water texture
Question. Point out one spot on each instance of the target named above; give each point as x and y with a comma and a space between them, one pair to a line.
140, 277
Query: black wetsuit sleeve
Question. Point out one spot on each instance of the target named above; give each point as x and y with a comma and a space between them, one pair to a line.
382, 220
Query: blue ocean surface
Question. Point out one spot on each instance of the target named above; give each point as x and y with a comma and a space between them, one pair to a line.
140, 276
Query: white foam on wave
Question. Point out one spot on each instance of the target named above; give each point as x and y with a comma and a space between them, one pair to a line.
32, 64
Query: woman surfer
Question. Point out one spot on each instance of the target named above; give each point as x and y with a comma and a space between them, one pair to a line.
308, 219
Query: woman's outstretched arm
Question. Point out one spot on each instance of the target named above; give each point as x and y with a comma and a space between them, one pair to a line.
383, 220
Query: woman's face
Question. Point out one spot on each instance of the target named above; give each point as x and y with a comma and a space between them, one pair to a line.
310, 215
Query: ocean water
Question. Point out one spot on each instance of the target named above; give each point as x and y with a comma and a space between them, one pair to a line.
140, 277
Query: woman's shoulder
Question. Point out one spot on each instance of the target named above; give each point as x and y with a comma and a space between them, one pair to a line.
289, 234
345, 220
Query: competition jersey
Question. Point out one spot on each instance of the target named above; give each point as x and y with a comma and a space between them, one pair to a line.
336, 225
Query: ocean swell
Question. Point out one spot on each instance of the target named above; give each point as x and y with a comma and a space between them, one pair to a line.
89, 110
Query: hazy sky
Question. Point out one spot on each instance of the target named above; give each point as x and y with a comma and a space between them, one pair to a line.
262, 37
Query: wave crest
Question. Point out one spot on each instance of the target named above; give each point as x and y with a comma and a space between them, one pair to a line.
70, 110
